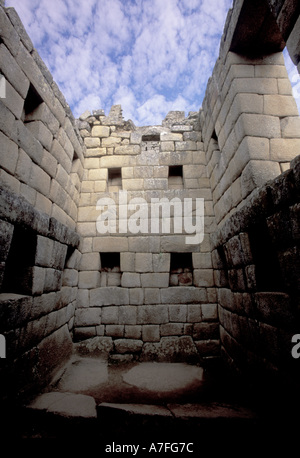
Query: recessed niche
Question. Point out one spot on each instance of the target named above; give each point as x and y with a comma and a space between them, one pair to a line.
181, 269
18, 274
114, 179
110, 269
175, 177
32, 101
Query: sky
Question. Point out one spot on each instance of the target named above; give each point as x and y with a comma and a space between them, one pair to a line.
150, 56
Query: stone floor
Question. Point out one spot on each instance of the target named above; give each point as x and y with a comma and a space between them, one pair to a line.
94, 400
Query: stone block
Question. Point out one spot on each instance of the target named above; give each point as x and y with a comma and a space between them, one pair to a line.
178, 313
171, 329
128, 345
49, 164
208, 347
177, 243
6, 234
290, 127
54, 279
127, 314
110, 142
274, 308
88, 279
256, 125
113, 278
209, 312
41, 133
84, 333
183, 295
39, 180
100, 131
97, 174
170, 137
155, 280
152, 314
114, 330
284, 149
143, 262
13, 101
161, 262
136, 296
127, 149
257, 173
194, 314
152, 295
83, 299
135, 138
167, 146
92, 142
110, 244
90, 261
130, 280
202, 260
136, 184
150, 244
9, 156
95, 152
205, 331
111, 295
160, 171
186, 146
280, 105
110, 315
87, 229
87, 317
43, 113
157, 183
133, 332
150, 333
28, 142
13, 72
194, 171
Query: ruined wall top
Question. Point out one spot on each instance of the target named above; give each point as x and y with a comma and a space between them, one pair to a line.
175, 121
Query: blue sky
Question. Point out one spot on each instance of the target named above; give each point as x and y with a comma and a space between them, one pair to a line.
150, 56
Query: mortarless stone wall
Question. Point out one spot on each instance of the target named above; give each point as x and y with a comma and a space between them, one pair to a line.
143, 306
41, 167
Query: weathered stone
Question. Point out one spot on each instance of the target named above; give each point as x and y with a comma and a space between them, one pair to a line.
128, 345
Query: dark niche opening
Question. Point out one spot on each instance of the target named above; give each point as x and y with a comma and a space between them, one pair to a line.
181, 269
18, 274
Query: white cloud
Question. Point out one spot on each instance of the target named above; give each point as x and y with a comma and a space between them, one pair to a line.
150, 56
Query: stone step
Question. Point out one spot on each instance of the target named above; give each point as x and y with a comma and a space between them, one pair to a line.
57, 415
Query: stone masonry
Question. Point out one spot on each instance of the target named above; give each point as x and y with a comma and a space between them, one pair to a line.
139, 303
141, 289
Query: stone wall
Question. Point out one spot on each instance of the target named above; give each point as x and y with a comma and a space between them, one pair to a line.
251, 134
256, 262
146, 294
249, 118
41, 166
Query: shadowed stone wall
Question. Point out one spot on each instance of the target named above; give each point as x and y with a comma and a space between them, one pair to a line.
41, 167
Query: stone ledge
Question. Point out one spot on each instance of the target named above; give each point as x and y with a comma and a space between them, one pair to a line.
16, 210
